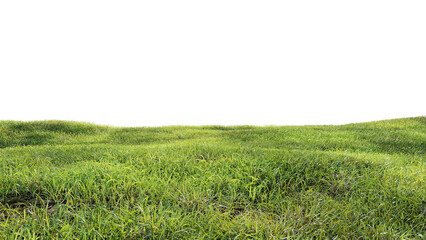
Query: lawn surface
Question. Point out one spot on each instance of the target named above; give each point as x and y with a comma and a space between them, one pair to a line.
69, 180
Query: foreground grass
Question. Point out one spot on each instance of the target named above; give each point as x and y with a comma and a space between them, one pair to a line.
67, 180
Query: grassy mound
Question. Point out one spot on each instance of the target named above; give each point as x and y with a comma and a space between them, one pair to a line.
68, 180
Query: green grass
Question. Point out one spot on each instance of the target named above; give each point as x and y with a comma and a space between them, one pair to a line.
69, 180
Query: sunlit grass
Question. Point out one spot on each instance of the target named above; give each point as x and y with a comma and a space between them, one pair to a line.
68, 180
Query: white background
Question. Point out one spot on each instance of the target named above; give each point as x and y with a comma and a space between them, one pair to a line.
152, 63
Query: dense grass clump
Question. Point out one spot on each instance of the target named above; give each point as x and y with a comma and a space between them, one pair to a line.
68, 180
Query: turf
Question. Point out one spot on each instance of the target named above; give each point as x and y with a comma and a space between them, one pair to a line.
72, 180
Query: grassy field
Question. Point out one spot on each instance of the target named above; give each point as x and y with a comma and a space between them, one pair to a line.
69, 180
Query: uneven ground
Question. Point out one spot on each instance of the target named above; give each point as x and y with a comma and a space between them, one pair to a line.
68, 180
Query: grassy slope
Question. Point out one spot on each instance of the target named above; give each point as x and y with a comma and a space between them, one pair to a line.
76, 180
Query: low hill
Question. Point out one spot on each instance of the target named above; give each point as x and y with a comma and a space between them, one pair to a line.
71, 180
